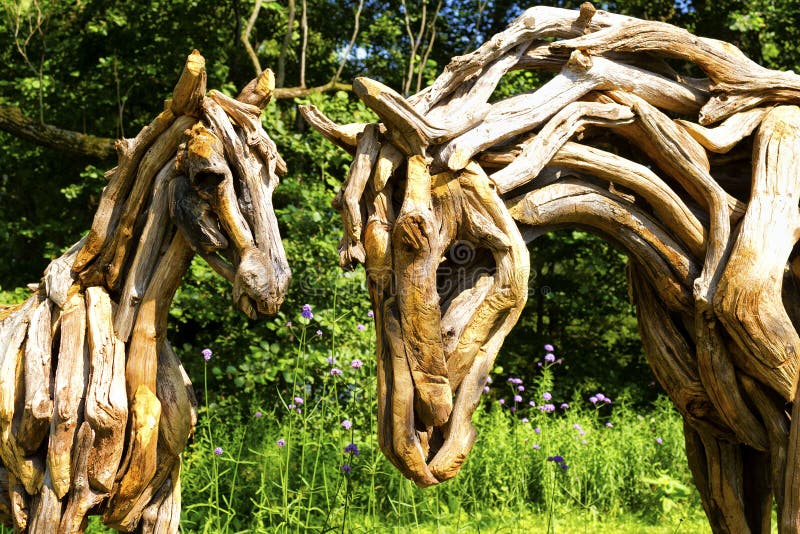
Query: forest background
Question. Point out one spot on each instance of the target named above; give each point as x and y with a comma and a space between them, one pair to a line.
75, 75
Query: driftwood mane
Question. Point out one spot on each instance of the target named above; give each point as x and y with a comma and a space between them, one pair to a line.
695, 178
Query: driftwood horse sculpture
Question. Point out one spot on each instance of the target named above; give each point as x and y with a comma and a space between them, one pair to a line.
95, 408
696, 178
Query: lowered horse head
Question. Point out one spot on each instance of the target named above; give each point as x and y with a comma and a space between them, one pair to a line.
618, 143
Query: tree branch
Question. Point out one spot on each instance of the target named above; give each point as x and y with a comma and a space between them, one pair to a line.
14, 122
245, 38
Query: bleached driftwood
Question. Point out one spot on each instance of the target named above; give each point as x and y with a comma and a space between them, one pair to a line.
710, 225
95, 407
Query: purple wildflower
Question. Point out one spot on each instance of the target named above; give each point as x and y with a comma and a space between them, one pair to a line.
291, 406
549, 357
537, 430
306, 313
488, 379
486, 389
281, 442
336, 372
347, 424
537, 446
331, 360
563, 466
356, 364
600, 396
352, 449
577, 426
593, 399
557, 459
346, 469
206, 354
609, 425
532, 404
289, 324
549, 348
559, 361
520, 388
547, 408
258, 415
659, 441
539, 364
583, 441
564, 406
361, 327
517, 398
546, 396
502, 402
524, 420
218, 451
370, 314
298, 400
319, 333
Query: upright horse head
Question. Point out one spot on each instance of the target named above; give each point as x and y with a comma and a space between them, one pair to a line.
103, 409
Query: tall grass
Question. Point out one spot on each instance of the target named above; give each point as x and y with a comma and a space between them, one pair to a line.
310, 462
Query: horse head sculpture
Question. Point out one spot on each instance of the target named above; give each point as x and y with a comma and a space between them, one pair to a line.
95, 407
621, 143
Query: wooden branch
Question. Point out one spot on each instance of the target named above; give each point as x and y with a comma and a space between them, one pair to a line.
147, 252
82, 497
730, 70
344, 136
283, 93
244, 37
351, 248
38, 402
672, 359
538, 151
259, 91
667, 206
45, 513
13, 121
748, 300
58, 275
26, 470
405, 442
669, 266
535, 23
410, 131
728, 134
415, 264
106, 397
191, 86
71, 377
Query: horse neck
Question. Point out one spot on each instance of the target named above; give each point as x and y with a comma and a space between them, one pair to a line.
150, 284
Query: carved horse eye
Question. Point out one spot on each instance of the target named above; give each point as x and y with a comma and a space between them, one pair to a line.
206, 183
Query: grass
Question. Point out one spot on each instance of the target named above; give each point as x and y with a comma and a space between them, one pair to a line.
310, 461
304, 458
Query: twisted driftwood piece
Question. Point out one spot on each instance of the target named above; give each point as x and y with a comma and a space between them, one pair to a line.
696, 179
95, 407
